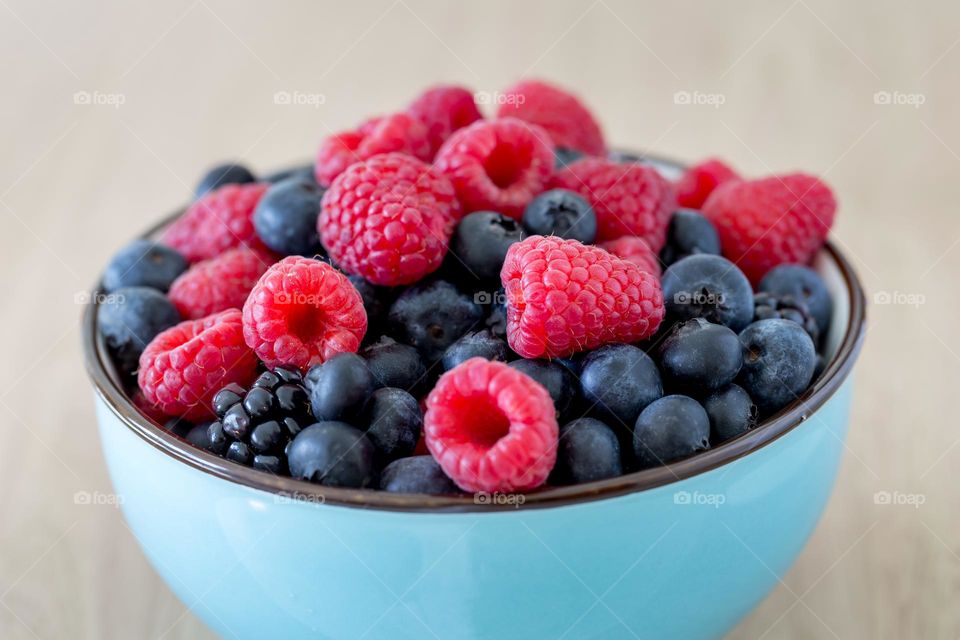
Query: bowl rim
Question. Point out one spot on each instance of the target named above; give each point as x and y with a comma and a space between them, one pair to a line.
108, 389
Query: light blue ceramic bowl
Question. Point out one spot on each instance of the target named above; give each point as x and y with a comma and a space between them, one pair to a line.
682, 551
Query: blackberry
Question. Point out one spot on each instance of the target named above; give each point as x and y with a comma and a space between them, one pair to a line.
767, 306
255, 425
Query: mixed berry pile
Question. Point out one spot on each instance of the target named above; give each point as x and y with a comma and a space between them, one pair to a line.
446, 302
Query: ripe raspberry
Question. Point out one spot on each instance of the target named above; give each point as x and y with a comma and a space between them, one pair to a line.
629, 199
444, 109
497, 164
301, 313
636, 250
564, 297
219, 220
183, 367
388, 219
491, 427
767, 222
398, 132
219, 283
699, 181
561, 114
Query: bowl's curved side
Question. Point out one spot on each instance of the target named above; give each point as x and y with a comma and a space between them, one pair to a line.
684, 560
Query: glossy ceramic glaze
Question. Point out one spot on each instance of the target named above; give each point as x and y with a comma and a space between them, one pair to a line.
683, 551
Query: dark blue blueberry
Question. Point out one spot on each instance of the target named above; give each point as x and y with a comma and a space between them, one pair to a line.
224, 174
778, 363
236, 422
699, 355
731, 412
339, 387
625, 157
376, 302
670, 428
129, 318
563, 156
618, 381
239, 452
477, 344
334, 454
710, 287
480, 244
394, 365
689, 233
417, 474
259, 403
788, 307
393, 423
216, 440
144, 263
559, 381
561, 213
588, 450
302, 172
268, 463
197, 436
286, 217
496, 320
227, 397
431, 316
268, 437
804, 284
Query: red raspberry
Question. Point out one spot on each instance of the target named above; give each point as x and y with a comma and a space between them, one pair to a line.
699, 181
388, 219
771, 221
491, 427
560, 113
444, 109
564, 297
497, 164
183, 367
220, 220
636, 250
629, 199
219, 283
301, 313
398, 132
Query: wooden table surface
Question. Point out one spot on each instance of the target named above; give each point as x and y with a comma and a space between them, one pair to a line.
111, 111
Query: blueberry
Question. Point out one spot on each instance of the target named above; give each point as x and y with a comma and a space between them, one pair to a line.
144, 263
561, 213
259, 403
806, 285
710, 287
267, 437
624, 157
562, 156
670, 428
333, 454
236, 422
689, 233
129, 318
224, 174
588, 450
496, 320
431, 316
376, 301
619, 380
339, 386
197, 436
239, 452
731, 412
559, 381
227, 397
286, 217
417, 474
778, 362
393, 422
787, 306
393, 364
302, 172
216, 440
268, 463
482, 344
698, 354
480, 243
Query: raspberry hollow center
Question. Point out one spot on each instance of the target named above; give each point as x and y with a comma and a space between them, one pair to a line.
483, 422
506, 164
307, 322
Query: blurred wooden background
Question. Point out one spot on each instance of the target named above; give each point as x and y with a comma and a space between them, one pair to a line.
113, 109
